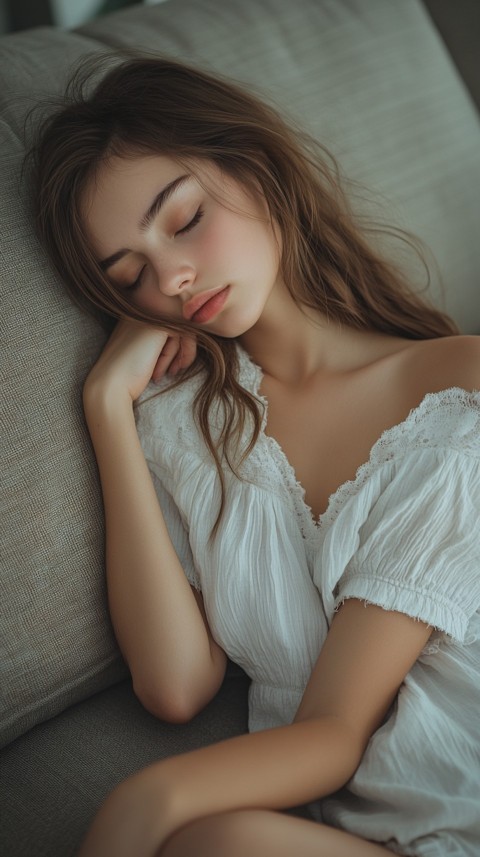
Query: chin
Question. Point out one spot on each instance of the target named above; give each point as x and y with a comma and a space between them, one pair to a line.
236, 324
230, 329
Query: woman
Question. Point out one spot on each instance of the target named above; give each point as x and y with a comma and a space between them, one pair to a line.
328, 545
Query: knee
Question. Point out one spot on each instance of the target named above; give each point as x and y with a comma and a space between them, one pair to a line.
234, 831
230, 833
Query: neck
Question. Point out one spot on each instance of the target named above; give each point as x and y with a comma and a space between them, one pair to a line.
292, 343
295, 345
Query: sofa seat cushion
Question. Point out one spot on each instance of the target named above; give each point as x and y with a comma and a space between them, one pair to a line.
53, 779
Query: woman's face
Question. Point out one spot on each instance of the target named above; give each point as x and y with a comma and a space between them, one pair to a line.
199, 249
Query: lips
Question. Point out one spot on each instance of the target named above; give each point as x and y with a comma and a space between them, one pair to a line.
197, 302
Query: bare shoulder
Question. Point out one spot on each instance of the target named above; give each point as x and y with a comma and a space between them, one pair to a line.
431, 365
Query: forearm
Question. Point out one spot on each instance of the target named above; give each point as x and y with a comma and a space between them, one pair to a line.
156, 617
273, 769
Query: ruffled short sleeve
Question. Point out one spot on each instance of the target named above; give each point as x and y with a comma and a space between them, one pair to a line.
158, 422
419, 547
176, 529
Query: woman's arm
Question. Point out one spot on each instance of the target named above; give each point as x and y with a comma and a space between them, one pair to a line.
367, 654
160, 624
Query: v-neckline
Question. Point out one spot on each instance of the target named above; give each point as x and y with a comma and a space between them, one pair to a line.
382, 451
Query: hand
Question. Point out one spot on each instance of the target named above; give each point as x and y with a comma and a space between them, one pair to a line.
137, 353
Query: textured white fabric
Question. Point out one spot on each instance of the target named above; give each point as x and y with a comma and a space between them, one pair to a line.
404, 535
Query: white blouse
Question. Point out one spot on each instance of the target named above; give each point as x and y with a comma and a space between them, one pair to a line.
404, 535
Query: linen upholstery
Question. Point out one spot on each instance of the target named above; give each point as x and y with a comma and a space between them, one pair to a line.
53, 779
371, 80
56, 641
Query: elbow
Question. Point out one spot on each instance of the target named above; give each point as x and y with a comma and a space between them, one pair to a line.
172, 706
346, 745
178, 698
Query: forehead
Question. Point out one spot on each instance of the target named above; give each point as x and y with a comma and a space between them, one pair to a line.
122, 189
126, 178
123, 176
117, 196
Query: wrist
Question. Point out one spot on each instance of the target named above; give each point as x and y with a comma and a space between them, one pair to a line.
101, 402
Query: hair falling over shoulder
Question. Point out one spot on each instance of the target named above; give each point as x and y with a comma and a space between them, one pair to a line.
149, 105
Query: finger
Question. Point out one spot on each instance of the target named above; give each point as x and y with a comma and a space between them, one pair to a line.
186, 355
188, 350
168, 354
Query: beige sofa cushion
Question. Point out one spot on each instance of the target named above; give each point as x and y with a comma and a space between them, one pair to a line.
370, 79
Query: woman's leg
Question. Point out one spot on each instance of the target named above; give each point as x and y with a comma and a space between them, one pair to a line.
262, 833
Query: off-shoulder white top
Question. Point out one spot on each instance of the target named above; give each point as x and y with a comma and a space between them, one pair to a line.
405, 535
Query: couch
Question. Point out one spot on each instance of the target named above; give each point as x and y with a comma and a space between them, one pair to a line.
374, 80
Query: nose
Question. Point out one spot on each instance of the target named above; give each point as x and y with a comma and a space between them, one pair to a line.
174, 281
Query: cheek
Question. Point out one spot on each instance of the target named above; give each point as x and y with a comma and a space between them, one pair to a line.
233, 246
263, 250
219, 248
153, 301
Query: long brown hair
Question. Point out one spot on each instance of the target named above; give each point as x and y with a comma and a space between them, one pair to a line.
148, 105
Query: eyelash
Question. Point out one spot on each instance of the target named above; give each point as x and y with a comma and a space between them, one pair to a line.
137, 282
193, 222
195, 219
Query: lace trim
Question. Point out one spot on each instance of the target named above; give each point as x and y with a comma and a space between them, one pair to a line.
393, 443
268, 467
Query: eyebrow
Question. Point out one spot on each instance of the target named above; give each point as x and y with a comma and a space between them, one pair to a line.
157, 203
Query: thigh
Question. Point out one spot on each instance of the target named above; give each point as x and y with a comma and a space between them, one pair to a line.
262, 833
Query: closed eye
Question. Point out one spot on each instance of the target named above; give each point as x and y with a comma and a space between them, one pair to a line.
136, 283
193, 222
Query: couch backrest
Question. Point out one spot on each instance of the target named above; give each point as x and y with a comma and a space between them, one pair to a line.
371, 80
